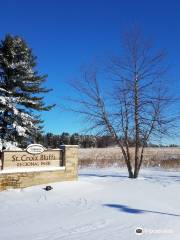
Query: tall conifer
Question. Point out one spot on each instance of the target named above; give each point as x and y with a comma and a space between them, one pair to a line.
20, 92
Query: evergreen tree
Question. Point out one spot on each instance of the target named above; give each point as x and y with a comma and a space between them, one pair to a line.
75, 139
65, 138
20, 92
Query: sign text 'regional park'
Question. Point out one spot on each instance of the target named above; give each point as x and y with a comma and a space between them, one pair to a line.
48, 158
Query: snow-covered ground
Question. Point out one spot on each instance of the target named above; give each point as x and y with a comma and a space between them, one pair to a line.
102, 205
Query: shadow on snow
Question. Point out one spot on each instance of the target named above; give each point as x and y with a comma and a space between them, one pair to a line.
101, 175
159, 177
127, 209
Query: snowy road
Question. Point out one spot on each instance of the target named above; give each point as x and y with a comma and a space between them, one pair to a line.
103, 204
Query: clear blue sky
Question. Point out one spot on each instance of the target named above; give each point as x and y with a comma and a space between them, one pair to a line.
64, 34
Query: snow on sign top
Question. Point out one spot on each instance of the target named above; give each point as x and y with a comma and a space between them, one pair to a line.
35, 149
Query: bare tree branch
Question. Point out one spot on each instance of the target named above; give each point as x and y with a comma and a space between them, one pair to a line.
138, 108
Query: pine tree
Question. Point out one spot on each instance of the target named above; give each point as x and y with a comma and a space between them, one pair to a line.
20, 92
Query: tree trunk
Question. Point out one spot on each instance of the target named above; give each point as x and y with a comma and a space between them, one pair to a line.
130, 172
136, 122
4, 124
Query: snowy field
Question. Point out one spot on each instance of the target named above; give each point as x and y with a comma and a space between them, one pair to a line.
102, 205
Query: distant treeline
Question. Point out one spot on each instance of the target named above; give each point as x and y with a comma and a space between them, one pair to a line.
84, 141
51, 140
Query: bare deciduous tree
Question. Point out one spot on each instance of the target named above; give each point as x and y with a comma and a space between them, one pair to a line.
139, 107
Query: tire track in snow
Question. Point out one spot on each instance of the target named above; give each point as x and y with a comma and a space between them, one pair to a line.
67, 233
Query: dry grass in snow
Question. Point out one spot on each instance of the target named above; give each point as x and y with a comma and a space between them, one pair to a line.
104, 157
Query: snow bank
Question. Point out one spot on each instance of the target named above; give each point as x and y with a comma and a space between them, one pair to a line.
4, 145
103, 204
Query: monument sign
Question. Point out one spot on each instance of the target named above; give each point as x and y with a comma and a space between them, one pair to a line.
38, 165
34, 156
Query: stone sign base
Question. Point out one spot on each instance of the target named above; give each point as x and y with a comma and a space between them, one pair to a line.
20, 178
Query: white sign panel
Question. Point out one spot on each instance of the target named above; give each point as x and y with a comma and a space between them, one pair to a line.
35, 149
